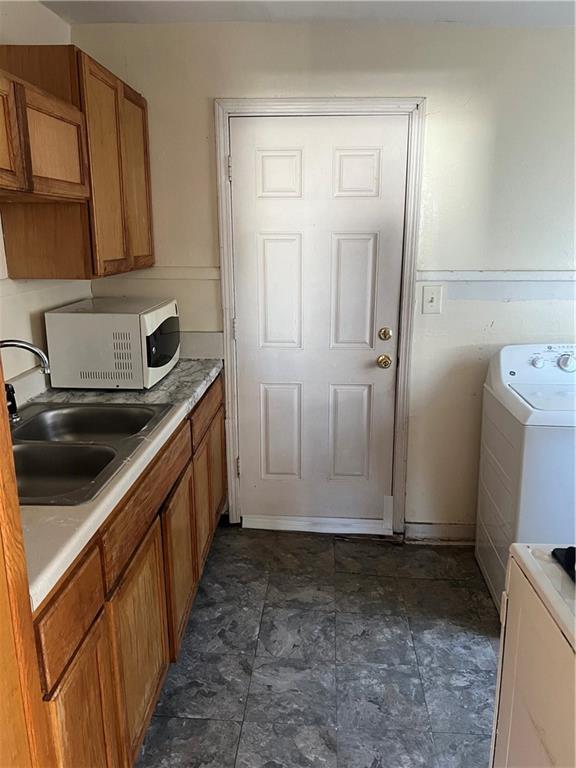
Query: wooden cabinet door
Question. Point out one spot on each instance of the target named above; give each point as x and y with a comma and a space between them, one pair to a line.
217, 464
136, 178
101, 96
140, 638
57, 146
12, 165
202, 502
180, 557
83, 709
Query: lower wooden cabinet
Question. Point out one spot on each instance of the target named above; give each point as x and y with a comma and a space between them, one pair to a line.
217, 464
106, 635
180, 558
137, 611
202, 501
83, 707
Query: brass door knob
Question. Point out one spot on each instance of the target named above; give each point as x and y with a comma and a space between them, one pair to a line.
383, 361
385, 334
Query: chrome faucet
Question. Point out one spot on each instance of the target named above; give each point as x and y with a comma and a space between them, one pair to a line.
9, 389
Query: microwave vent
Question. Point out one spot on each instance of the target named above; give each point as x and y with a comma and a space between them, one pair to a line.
117, 375
122, 346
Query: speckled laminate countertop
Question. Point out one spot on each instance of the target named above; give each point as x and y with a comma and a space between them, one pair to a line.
55, 536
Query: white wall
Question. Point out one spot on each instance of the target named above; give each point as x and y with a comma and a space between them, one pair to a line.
497, 191
497, 188
23, 302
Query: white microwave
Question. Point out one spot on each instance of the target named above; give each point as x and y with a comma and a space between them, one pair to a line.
112, 343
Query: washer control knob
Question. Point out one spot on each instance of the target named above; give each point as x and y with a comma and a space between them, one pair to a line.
567, 362
537, 361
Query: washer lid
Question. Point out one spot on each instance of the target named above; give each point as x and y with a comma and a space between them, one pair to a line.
547, 397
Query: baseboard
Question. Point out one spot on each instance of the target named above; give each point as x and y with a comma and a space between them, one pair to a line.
342, 525
448, 533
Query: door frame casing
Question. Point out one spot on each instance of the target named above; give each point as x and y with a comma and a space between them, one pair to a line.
414, 108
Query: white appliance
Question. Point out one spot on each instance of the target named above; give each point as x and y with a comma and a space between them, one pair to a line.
534, 715
528, 454
112, 343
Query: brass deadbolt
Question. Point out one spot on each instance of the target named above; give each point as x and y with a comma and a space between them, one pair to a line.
385, 334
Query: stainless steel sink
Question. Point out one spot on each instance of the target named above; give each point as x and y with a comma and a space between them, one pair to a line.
49, 473
81, 423
66, 454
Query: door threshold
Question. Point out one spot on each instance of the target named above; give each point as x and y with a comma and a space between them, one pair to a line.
341, 525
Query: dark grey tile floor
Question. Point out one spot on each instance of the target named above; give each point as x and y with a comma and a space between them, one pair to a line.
318, 651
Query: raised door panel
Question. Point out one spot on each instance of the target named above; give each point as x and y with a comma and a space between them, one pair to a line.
101, 95
180, 558
138, 612
12, 166
217, 464
57, 145
136, 178
202, 502
82, 709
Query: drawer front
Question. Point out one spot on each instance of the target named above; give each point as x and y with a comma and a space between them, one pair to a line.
205, 412
136, 512
62, 626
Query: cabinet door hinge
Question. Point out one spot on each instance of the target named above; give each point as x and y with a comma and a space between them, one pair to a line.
234, 328
229, 167
237, 466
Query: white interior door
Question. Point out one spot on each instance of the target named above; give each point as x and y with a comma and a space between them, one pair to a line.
318, 219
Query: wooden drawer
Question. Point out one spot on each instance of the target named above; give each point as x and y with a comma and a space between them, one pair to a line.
205, 412
62, 626
136, 511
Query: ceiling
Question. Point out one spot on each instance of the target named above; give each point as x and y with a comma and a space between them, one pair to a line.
493, 13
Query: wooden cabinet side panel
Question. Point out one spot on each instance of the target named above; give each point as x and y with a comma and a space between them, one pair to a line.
47, 241
14, 746
138, 611
16, 616
136, 178
50, 67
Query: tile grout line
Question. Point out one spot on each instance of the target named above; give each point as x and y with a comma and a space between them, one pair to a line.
243, 721
419, 670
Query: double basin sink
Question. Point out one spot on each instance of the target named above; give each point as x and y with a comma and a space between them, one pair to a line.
65, 454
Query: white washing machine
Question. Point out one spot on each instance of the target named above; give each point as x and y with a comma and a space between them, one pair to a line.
528, 454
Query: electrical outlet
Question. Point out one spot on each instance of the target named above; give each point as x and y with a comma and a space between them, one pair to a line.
431, 299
